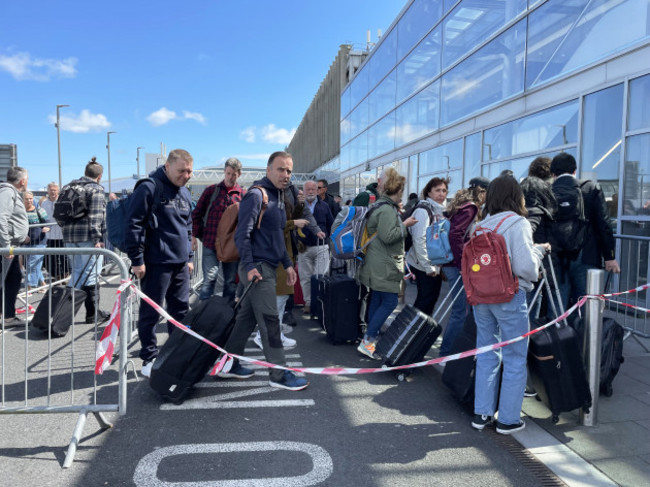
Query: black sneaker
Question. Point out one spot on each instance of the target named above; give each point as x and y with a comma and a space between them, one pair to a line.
289, 382
289, 319
506, 429
101, 317
480, 421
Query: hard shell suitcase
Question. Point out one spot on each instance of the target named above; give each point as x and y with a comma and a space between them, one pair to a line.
184, 360
459, 374
340, 305
63, 310
408, 338
556, 369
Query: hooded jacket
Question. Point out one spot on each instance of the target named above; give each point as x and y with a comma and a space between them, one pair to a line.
267, 243
13, 217
363, 198
417, 254
525, 257
170, 241
541, 206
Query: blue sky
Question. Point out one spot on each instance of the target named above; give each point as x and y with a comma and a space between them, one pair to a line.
218, 78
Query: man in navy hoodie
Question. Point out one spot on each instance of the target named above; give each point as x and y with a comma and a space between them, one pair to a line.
261, 248
158, 242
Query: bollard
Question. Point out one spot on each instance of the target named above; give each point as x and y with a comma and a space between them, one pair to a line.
593, 332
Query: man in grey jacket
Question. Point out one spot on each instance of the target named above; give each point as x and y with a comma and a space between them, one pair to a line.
13, 231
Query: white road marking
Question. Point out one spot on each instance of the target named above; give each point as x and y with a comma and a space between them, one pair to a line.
146, 471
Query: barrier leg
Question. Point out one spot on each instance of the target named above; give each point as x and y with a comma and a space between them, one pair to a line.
104, 424
592, 340
72, 447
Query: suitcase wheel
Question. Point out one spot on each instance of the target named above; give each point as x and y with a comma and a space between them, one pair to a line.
555, 418
401, 377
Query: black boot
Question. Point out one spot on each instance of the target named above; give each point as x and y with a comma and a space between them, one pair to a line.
91, 298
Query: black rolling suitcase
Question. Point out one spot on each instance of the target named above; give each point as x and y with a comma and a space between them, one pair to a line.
555, 362
408, 338
66, 303
317, 287
184, 360
340, 305
459, 374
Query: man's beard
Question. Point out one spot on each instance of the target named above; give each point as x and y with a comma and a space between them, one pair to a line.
310, 198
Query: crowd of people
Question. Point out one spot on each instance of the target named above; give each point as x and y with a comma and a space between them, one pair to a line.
282, 235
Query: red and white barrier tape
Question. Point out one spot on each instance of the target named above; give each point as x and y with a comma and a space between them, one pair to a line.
105, 346
627, 305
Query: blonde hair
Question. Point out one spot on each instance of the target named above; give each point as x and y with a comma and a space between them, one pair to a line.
393, 181
463, 196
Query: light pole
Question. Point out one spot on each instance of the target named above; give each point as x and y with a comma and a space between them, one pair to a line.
108, 147
58, 139
137, 159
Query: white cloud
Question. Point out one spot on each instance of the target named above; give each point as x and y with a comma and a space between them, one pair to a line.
161, 117
269, 133
250, 157
23, 67
83, 123
248, 134
275, 135
194, 116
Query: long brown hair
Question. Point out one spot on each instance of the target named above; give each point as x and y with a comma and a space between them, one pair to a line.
463, 196
505, 194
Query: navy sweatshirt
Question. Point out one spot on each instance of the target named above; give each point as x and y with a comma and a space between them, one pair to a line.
265, 244
171, 241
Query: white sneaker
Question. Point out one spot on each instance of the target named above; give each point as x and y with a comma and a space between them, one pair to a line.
258, 340
286, 329
146, 368
288, 343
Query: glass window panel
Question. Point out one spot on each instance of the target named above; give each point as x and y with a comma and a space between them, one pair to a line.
359, 86
490, 75
473, 21
383, 59
345, 102
348, 188
418, 116
382, 99
449, 4
420, 67
472, 157
564, 35
639, 104
636, 177
601, 138
345, 130
442, 158
413, 175
454, 177
359, 150
381, 136
415, 23
345, 157
554, 127
518, 166
359, 118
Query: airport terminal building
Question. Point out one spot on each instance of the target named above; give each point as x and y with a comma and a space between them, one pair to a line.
461, 88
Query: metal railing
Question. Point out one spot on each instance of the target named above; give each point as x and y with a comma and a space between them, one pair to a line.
45, 374
633, 254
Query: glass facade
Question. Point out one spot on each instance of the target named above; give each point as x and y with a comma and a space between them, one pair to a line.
460, 88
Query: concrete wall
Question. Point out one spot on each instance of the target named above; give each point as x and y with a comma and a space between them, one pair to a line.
318, 137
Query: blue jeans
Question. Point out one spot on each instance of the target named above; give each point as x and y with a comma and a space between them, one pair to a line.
458, 313
210, 266
79, 264
34, 267
381, 306
495, 323
572, 279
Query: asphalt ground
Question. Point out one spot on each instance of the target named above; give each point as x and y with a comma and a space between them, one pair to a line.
369, 430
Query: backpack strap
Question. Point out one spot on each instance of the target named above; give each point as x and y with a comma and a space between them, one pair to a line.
215, 195
157, 196
265, 204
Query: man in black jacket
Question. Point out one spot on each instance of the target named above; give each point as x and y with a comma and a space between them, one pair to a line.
161, 254
327, 197
598, 245
261, 247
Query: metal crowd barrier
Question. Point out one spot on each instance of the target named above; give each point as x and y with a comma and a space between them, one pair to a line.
634, 253
44, 374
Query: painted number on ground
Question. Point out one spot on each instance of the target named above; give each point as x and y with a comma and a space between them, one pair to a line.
147, 469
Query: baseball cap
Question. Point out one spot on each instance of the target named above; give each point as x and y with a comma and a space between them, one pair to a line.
479, 181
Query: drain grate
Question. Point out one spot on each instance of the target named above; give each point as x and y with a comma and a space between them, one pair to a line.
546, 477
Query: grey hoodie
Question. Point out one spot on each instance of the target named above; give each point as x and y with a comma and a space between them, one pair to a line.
13, 217
525, 257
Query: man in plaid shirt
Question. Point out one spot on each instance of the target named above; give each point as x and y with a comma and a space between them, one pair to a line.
205, 219
87, 232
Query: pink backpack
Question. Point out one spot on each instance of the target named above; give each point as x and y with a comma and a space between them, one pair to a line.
486, 270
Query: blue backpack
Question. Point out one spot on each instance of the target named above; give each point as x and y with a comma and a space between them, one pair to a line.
349, 237
117, 210
438, 248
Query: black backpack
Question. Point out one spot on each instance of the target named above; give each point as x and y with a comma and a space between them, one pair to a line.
570, 226
72, 203
408, 241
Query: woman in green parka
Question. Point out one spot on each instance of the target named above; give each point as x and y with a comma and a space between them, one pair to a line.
383, 267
